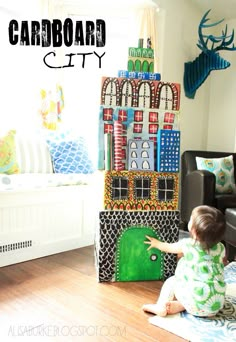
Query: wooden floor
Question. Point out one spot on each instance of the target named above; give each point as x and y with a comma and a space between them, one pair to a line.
58, 298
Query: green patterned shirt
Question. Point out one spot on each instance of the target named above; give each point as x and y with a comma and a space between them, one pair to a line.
200, 285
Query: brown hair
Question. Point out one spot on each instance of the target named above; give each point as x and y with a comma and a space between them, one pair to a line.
208, 224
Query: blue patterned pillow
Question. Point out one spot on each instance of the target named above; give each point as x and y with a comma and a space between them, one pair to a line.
70, 156
223, 169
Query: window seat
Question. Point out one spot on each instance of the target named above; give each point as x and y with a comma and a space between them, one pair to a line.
43, 212
24, 181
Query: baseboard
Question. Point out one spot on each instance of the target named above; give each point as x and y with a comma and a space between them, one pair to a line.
44, 249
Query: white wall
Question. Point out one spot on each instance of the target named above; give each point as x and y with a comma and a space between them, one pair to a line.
207, 121
178, 45
222, 111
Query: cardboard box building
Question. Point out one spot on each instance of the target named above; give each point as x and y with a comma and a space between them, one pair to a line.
139, 151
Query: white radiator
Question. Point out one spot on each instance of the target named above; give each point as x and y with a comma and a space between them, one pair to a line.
37, 223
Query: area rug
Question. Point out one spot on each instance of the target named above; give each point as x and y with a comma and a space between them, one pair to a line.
219, 328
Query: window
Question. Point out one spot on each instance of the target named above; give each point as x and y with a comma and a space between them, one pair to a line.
142, 188
119, 188
165, 189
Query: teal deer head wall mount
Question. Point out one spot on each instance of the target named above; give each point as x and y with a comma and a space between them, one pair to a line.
196, 72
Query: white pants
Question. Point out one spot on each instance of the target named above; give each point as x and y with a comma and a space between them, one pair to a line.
167, 291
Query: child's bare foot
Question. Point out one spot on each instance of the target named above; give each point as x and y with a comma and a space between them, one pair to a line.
173, 307
169, 308
157, 309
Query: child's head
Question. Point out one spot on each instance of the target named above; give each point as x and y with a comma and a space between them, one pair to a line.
207, 225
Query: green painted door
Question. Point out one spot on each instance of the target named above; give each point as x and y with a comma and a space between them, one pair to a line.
133, 261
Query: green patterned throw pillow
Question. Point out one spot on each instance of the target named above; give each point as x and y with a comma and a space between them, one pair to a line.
8, 162
223, 168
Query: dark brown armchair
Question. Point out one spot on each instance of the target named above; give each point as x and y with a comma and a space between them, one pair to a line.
198, 186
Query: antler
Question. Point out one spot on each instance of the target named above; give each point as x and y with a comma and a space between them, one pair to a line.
224, 39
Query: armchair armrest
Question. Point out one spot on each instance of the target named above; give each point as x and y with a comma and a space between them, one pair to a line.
198, 188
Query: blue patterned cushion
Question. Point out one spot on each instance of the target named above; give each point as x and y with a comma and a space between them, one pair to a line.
223, 169
70, 156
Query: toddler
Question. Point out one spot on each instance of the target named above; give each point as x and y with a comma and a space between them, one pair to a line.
198, 284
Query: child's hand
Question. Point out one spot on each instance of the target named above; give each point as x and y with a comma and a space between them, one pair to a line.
166, 247
152, 242
225, 261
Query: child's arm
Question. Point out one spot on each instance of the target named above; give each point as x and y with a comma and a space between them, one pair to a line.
224, 257
163, 246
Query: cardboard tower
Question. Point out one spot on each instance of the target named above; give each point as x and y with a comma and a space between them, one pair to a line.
139, 151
